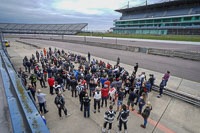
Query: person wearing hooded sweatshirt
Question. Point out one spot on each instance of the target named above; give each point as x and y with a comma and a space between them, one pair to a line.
104, 93
97, 99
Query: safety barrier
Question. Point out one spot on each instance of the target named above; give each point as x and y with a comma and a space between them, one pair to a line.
23, 112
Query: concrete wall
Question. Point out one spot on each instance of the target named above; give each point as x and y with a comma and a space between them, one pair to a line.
162, 52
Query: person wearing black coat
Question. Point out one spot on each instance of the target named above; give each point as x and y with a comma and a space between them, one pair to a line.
136, 68
81, 95
73, 84
60, 103
146, 114
86, 103
132, 96
60, 81
28, 65
123, 118
151, 80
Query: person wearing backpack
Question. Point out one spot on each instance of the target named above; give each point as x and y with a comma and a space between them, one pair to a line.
97, 99
146, 113
123, 118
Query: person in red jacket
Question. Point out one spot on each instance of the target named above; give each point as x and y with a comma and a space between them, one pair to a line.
51, 83
104, 94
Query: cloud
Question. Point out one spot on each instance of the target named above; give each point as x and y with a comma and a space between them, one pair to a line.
99, 14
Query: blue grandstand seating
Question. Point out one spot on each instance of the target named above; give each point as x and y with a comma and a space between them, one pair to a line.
177, 12
196, 10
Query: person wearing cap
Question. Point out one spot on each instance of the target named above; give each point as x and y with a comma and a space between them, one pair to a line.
41, 101
60, 103
146, 114
104, 94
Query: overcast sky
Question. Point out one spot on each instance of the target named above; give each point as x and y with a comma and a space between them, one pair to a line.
99, 14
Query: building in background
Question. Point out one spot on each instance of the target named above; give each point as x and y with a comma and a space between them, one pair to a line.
179, 17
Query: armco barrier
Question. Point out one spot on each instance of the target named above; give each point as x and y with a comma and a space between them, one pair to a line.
14, 111
162, 52
32, 121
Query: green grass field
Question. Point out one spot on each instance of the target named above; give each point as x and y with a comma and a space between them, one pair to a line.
192, 38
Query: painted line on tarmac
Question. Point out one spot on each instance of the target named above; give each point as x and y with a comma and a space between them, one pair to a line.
153, 122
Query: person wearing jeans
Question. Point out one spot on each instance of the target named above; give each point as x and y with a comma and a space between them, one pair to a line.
142, 101
86, 103
162, 85
146, 113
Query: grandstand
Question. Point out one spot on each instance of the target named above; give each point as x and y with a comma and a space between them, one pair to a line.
180, 17
58, 29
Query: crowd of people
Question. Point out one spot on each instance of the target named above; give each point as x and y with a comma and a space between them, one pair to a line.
106, 84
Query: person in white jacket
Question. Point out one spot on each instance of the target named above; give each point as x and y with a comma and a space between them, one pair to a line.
97, 99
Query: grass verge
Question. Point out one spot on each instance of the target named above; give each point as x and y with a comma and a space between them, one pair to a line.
192, 38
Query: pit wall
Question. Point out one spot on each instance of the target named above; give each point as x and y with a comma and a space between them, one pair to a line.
189, 55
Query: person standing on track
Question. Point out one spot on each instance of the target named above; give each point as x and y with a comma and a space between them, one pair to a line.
135, 68
104, 94
123, 118
118, 61
33, 79
162, 85
97, 99
166, 77
51, 84
60, 103
86, 103
109, 117
89, 57
42, 101
45, 52
146, 114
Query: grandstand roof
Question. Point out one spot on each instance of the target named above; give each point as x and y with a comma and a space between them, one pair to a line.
64, 29
160, 5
